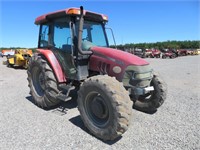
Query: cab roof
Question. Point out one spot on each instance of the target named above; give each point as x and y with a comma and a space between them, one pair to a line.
70, 12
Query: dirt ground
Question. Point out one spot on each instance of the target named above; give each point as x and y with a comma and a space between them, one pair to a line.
175, 126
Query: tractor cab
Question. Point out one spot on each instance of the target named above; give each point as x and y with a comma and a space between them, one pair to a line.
70, 34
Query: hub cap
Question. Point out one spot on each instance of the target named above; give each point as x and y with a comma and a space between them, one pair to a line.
97, 109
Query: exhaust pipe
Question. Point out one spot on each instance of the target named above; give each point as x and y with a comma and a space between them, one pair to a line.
81, 22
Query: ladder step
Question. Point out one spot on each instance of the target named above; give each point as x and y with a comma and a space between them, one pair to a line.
63, 97
67, 87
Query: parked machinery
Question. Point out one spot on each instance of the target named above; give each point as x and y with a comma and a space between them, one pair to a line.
20, 58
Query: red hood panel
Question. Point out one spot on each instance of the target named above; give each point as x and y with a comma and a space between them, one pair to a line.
119, 56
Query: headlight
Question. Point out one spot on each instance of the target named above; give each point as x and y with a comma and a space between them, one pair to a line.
137, 76
117, 69
143, 75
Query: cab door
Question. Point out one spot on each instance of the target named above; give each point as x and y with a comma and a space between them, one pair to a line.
57, 37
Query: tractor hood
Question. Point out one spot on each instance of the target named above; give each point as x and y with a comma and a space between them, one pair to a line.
118, 56
114, 62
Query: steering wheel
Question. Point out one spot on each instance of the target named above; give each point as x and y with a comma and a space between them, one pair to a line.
86, 39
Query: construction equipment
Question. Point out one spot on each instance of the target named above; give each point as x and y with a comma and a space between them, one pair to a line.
73, 55
20, 58
7, 53
198, 51
182, 52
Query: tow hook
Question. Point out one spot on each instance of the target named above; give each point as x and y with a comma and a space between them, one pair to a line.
148, 89
141, 91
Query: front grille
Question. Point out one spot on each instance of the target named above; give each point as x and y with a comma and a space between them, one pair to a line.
137, 76
104, 68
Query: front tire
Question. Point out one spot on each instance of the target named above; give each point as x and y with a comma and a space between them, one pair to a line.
42, 82
153, 100
105, 107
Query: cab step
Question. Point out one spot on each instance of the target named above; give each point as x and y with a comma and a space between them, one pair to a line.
66, 89
63, 97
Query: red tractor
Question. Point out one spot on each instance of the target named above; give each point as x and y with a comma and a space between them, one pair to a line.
155, 53
73, 53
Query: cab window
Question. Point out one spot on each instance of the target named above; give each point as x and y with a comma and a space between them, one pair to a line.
44, 32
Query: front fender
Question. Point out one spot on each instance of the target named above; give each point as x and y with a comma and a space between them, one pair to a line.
60, 76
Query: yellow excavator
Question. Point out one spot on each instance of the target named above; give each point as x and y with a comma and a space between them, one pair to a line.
20, 58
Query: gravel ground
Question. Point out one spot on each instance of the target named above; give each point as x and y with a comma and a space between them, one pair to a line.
175, 126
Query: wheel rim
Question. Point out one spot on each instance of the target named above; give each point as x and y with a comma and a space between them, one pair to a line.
38, 81
97, 109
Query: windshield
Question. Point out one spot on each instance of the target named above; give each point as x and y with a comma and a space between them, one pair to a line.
93, 33
58, 33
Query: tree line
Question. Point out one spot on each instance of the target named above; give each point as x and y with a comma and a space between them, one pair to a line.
162, 45
157, 45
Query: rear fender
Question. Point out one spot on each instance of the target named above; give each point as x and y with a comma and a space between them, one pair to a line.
60, 76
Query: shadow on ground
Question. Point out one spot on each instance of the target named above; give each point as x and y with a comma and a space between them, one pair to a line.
77, 121
17, 67
146, 112
63, 107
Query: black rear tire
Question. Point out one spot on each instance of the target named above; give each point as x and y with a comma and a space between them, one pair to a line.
8, 64
105, 107
173, 56
150, 102
42, 82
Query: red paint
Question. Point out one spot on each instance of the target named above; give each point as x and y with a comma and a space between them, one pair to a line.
54, 64
113, 57
94, 64
43, 18
125, 57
